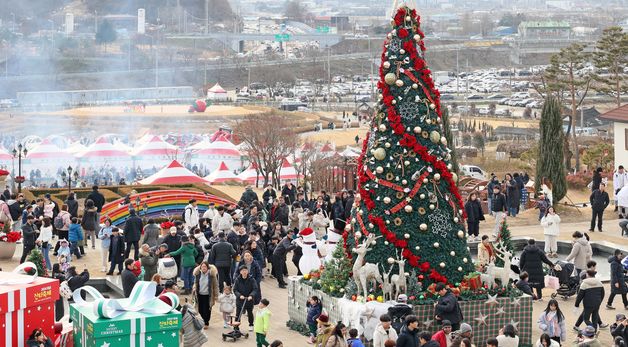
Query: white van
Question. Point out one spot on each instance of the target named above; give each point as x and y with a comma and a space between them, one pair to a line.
473, 171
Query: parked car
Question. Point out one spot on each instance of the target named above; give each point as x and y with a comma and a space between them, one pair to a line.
475, 97
473, 171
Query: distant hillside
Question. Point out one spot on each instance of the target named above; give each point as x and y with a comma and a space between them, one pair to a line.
219, 10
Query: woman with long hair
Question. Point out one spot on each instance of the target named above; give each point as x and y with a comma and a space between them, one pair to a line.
473, 208
546, 188
552, 322
551, 230
546, 341
337, 338
508, 336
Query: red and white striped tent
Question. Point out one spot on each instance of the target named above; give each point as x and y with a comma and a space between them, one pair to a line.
174, 173
46, 155
212, 154
327, 150
222, 175
103, 152
288, 172
250, 175
154, 153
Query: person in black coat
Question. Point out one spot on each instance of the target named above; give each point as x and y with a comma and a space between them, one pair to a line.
279, 211
29, 235
279, 257
599, 201
513, 193
249, 196
338, 213
269, 195
132, 234
97, 198
128, 277
399, 312
409, 333
591, 295
531, 261
473, 208
618, 283
596, 179
289, 192
116, 251
447, 307
221, 256
349, 204
76, 280
173, 241
73, 205
246, 291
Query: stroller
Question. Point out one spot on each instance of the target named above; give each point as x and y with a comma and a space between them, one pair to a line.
236, 334
568, 279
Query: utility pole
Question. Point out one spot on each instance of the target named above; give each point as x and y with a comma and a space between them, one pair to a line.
457, 72
328, 78
206, 16
129, 58
372, 71
96, 22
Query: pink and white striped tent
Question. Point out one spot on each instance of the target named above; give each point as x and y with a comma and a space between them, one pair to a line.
288, 172
104, 152
212, 154
174, 173
154, 153
47, 155
250, 175
222, 175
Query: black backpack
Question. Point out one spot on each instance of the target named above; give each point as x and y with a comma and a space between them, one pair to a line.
183, 214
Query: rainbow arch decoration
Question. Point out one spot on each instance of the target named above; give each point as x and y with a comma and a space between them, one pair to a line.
158, 204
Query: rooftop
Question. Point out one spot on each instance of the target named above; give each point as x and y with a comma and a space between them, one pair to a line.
619, 114
545, 24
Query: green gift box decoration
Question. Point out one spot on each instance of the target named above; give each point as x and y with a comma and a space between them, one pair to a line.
142, 320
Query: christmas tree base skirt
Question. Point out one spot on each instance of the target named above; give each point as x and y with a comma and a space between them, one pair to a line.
486, 319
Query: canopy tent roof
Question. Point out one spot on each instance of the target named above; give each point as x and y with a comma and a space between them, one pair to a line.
174, 173
250, 175
221, 175
5, 155
155, 147
217, 89
103, 149
75, 148
221, 146
204, 143
288, 172
47, 150
350, 152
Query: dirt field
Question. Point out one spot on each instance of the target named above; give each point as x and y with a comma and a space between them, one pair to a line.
157, 111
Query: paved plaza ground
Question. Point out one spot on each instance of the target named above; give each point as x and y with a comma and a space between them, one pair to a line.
279, 300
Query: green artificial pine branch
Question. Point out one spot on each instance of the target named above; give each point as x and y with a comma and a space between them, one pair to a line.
336, 274
504, 236
36, 257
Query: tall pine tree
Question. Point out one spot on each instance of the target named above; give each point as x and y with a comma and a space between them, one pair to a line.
407, 185
550, 162
612, 55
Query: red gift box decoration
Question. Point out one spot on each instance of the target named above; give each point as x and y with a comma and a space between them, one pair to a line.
474, 281
26, 303
65, 338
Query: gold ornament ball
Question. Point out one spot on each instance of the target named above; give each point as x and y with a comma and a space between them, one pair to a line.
408, 18
423, 226
406, 163
436, 244
379, 169
428, 121
399, 83
387, 200
452, 253
407, 236
434, 136
390, 34
425, 180
402, 51
382, 127
437, 176
465, 260
371, 225
390, 78
432, 106
394, 102
454, 177
449, 166
358, 235
379, 154
442, 265
387, 145
408, 208
390, 260
415, 86
348, 227
386, 243
443, 140
404, 182
417, 130
461, 234
386, 65
417, 37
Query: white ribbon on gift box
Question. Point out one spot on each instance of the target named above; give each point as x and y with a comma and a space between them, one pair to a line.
8, 316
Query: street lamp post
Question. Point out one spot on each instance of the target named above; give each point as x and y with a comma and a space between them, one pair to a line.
19, 153
67, 178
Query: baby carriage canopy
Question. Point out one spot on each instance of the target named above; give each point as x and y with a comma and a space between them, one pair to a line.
567, 269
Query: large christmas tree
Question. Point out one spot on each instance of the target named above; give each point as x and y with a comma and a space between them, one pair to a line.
407, 185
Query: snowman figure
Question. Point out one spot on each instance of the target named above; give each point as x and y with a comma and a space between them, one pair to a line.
310, 259
332, 239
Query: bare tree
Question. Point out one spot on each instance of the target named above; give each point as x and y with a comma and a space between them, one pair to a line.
269, 139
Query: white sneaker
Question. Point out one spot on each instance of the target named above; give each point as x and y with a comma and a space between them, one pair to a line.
250, 328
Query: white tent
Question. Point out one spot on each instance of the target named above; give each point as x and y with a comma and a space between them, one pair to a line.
217, 93
222, 175
174, 173
154, 153
212, 154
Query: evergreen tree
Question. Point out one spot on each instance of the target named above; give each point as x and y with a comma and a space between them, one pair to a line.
612, 55
36, 257
408, 192
550, 162
335, 276
106, 33
504, 237
450, 140
478, 141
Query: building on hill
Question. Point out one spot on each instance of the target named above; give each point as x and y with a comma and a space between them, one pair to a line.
514, 133
619, 117
544, 30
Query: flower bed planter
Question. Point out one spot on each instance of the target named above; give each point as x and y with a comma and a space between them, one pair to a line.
7, 250
515, 311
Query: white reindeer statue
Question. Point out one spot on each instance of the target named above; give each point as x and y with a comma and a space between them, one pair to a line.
365, 273
501, 273
399, 280
387, 286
